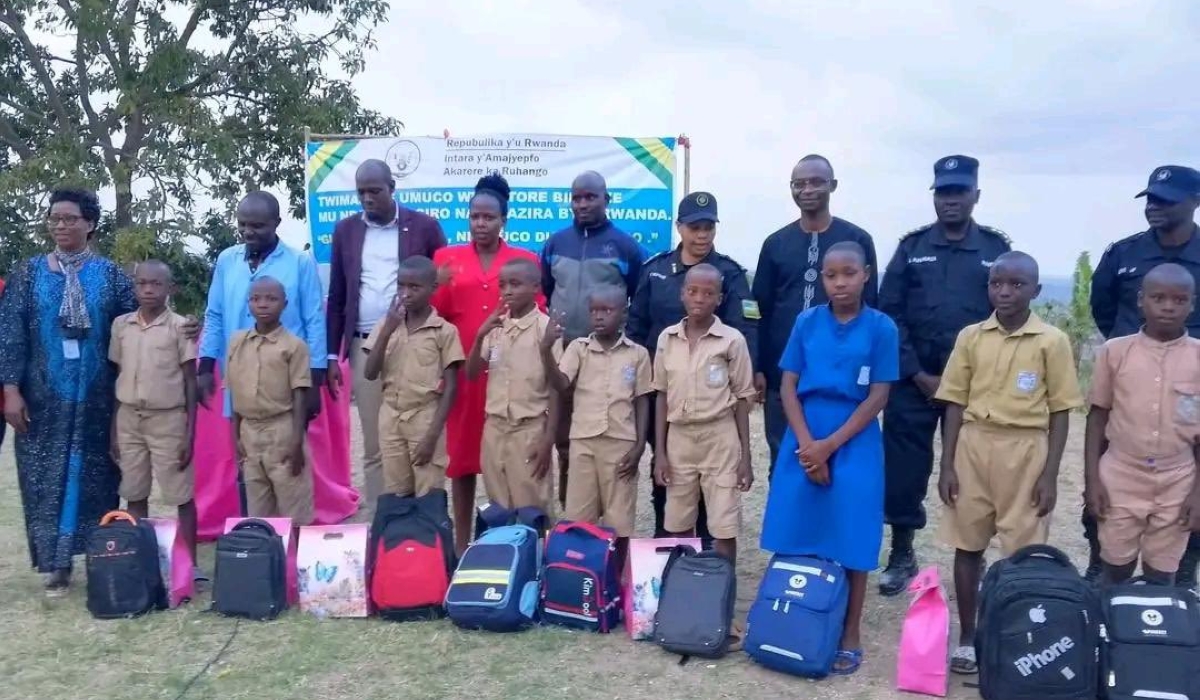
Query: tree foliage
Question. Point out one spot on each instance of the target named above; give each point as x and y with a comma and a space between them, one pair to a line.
1075, 317
173, 104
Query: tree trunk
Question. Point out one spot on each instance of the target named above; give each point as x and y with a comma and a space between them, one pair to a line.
123, 213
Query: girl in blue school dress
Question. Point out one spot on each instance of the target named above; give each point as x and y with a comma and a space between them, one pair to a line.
826, 496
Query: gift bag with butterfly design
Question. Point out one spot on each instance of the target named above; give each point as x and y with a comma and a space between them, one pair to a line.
331, 566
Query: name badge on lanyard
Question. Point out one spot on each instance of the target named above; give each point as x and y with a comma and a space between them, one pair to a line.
70, 349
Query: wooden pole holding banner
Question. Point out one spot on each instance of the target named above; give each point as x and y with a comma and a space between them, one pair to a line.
687, 163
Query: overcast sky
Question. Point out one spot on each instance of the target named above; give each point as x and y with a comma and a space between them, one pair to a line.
1068, 104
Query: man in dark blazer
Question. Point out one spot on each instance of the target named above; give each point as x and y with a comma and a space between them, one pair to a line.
367, 250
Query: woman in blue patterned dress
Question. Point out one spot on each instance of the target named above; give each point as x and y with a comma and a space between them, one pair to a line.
57, 313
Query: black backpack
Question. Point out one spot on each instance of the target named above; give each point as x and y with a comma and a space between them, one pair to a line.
123, 574
250, 578
695, 609
492, 514
1039, 629
1151, 643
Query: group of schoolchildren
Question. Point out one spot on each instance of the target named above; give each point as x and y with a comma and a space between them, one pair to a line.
1008, 388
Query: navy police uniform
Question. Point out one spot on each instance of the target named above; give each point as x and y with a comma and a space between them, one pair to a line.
932, 288
657, 305
1114, 300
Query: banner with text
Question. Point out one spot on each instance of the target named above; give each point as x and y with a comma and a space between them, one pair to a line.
437, 176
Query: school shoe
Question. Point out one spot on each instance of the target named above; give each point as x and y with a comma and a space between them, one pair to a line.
1186, 577
901, 570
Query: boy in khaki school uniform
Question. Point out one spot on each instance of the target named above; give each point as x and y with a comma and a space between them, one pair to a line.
610, 377
268, 377
703, 376
417, 353
1145, 402
1009, 387
521, 408
155, 422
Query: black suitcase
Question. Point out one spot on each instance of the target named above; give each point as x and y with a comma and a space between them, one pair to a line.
1150, 643
250, 578
123, 574
695, 609
1039, 629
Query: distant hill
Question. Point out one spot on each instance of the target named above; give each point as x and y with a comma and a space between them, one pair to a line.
1056, 288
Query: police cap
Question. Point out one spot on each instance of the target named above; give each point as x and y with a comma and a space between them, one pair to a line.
955, 171
698, 206
1173, 183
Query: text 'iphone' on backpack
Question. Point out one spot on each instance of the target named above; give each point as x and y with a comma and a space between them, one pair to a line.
1150, 643
250, 576
580, 582
495, 586
492, 514
123, 574
796, 621
1039, 629
411, 556
695, 610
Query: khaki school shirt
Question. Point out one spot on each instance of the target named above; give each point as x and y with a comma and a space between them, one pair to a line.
1013, 380
415, 360
606, 383
1152, 392
516, 387
705, 382
262, 370
150, 357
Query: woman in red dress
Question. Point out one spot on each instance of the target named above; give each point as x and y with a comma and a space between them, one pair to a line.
467, 294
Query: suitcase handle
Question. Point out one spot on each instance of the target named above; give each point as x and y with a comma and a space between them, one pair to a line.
1041, 550
114, 515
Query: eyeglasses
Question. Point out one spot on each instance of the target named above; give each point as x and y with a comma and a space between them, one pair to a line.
816, 183
64, 219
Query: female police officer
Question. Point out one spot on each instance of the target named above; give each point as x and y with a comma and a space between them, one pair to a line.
657, 303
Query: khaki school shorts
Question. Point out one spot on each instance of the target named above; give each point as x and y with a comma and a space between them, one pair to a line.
150, 442
704, 459
595, 493
398, 441
997, 469
507, 467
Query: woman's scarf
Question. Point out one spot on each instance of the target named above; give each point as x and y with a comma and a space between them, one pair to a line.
73, 314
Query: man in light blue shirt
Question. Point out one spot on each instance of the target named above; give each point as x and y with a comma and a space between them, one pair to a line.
262, 254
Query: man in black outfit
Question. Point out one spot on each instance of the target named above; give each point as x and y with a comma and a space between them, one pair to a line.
788, 280
935, 285
1172, 196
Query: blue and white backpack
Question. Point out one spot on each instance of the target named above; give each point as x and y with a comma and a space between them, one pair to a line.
796, 621
495, 586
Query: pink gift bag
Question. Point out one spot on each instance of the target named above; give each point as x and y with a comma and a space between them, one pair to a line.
331, 568
922, 665
283, 528
643, 581
174, 560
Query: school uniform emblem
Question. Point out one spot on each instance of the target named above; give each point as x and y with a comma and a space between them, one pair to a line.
1027, 382
494, 355
1187, 408
717, 376
629, 374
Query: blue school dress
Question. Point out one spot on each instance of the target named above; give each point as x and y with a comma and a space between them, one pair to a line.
837, 363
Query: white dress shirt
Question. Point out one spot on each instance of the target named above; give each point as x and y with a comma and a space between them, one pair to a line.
380, 264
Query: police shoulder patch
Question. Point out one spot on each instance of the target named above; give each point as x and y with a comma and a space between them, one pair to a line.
995, 232
750, 310
915, 231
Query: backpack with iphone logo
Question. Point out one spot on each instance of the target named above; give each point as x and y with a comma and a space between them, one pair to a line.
1039, 629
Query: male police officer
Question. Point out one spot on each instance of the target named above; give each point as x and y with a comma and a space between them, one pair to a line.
1172, 197
935, 285
658, 304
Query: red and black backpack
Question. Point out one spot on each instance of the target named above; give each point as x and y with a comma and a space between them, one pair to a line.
411, 556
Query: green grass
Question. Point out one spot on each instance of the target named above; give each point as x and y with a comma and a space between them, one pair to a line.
54, 649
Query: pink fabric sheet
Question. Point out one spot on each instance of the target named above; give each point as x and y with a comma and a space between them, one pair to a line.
334, 498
